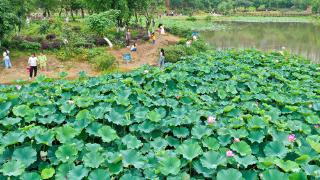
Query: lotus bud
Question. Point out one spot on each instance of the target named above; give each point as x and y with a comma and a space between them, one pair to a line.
310, 106
178, 97
67, 157
236, 140
70, 102
292, 138
146, 71
229, 153
18, 87
211, 119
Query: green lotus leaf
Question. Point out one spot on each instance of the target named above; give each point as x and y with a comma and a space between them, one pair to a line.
256, 136
202, 170
242, 148
46, 138
212, 160
12, 168
130, 176
211, 143
189, 150
92, 159
229, 174
78, 172
275, 149
31, 131
154, 116
99, 174
288, 166
83, 102
67, 108
122, 97
66, 133
312, 170
12, 137
84, 115
93, 129
246, 161
107, 134
146, 127
26, 155
119, 116
250, 175
313, 119
298, 176
181, 132
273, 174
303, 159
47, 173
115, 168
93, 147
199, 131
256, 123
30, 176
158, 144
131, 142
239, 133
23, 111
316, 106
67, 153
169, 165
63, 170
5, 109
314, 142
132, 157
10, 121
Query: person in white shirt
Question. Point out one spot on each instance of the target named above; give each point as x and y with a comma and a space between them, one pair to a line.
6, 59
33, 68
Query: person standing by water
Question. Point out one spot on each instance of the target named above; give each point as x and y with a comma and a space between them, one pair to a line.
33, 65
162, 58
128, 37
6, 59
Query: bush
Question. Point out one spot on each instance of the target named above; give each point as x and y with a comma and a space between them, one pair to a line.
179, 31
76, 28
191, 18
57, 44
103, 61
44, 27
176, 52
208, 18
100, 42
45, 45
32, 46
50, 37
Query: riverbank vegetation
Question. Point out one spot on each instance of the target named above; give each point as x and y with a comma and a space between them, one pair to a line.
226, 115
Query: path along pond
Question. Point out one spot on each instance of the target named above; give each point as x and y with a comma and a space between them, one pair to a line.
298, 38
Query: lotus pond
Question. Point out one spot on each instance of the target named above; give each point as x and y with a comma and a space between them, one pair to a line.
218, 115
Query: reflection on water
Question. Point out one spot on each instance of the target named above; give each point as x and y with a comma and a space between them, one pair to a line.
298, 38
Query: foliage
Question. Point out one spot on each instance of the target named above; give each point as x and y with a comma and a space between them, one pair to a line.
191, 18
102, 61
8, 19
102, 21
152, 123
175, 52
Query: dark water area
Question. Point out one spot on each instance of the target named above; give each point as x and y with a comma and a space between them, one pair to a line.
298, 38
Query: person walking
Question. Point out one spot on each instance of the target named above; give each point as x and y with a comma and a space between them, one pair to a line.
33, 65
6, 59
128, 37
153, 38
162, 58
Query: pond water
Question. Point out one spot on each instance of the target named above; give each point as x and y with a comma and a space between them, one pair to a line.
298, 38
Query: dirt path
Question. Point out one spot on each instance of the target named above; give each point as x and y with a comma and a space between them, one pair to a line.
147, 52
19, 69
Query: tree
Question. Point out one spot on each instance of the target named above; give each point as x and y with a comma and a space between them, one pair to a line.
102, 21
47, 6
8, 19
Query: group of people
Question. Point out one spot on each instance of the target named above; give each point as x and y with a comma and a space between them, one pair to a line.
33, 63
152, 36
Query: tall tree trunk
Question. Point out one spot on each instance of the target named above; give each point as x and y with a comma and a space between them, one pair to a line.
48, 12
60, 12
71, 12
82, 12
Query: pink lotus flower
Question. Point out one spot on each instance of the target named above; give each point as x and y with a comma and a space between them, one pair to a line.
178, 97
18, 87
211, 119
317, 126
292, 138
230, 153
236, 140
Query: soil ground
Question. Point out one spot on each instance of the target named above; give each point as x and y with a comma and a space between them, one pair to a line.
147, 54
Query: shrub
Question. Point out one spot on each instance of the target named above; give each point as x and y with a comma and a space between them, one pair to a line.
100, 42
56, 44
179, 31
208, 18
33, 39
76, 28
45, 45
103, 61
32, 46
191, 18
50, 37
44, 27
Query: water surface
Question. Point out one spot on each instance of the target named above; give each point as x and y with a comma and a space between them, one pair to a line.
298, 38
